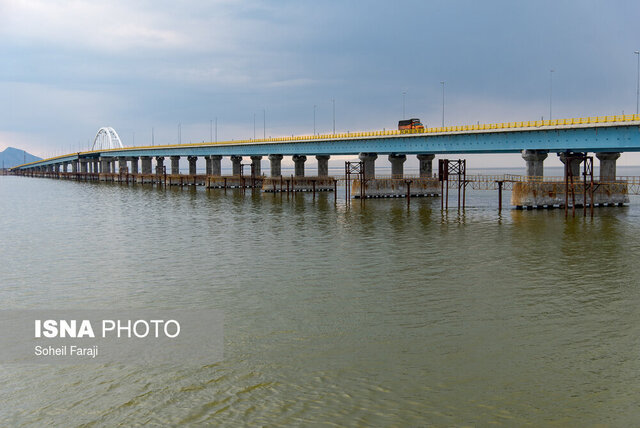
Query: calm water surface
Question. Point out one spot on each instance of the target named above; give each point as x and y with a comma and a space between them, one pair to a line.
374, 315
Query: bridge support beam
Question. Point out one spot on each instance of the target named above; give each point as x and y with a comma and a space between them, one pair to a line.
207, 165
426, 164
146, 164
369, 160
575, 165
175, 165
159, 165
216, 165
323, 165
96, 163
535, 162
56, 167
255, 165
298, 161
74, 166
397, 167
105, 165
608, 166
276, 165
192, 164
134, 164
83, 166
65, 165
236, 161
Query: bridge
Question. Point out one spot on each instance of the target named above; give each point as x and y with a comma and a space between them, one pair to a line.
606, 136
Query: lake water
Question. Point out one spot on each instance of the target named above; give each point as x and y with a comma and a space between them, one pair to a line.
379, 314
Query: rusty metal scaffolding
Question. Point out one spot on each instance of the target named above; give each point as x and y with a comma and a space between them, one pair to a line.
354, 168
457, 168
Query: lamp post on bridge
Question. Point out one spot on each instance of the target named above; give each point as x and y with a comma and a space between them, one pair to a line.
442, 83
403, 96
550, 91
638, 81
314, 119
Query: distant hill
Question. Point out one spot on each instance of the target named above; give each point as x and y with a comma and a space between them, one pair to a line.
12, 157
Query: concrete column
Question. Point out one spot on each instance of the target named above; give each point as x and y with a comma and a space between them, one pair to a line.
104, 165
192, 164
276, 165
426, 164
159, 165
83, 165
122, 163
134, 165
175, 165
74, 166
397, 167
255, 165
95, 166
56, 167
608, 165
235, 164
323, 165
298, 161
64, 166
575, 165
145, 164
216, 165
535, 160
369, 160
207, 168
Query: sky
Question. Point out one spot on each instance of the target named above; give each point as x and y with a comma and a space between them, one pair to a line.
173, 68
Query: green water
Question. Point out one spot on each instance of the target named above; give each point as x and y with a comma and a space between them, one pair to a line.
374, 315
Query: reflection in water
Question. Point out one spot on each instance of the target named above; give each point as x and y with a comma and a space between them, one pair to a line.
377, 313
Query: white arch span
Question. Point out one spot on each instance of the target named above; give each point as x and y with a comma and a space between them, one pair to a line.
107, 138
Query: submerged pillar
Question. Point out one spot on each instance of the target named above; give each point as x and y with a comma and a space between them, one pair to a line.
298, 161
397, 167
608, 165
323, 165
426, 164
276, 165
146, 164
535, 162
95, 166
216, 165
207, 165
369, 160
175, 165
122, 164
236, 162
64, 166
83, 165
74, 166
255, 165
104, 165
192, 164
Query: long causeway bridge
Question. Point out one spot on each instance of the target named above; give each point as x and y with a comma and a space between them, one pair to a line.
572, 139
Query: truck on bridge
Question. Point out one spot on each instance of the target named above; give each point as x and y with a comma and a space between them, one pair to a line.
405, 125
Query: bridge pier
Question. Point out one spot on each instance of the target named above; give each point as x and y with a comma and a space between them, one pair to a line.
175, 165
276, 165
192, 164
298, 161
122, 164
236, 161
96, 164
207, 165
134, 164
255, 165
369, 160
216, 165
574, 165
65, 166
83, 166
104, 165
426, 164
74, 166
323, 165
608, 166
535, 162
159, 165
397, 167
146, 164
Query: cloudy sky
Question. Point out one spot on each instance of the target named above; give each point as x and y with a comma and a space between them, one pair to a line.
69, 67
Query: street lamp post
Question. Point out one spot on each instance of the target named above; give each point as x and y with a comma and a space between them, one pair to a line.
314, 119
442, 83
403, 96
550, 93
333, 101
638, 81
